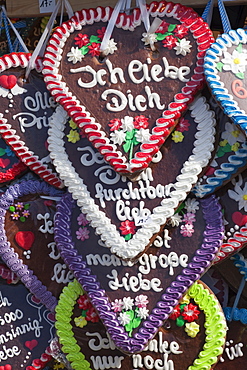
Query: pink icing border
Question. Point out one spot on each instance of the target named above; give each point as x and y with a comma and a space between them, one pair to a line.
9, 134
164, 124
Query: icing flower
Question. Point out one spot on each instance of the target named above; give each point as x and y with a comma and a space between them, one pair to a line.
9, 152
190, 312
111, 47
115, 124
80, 321
235, 147
19, 206
73, 136
26, 213
128, 303
180, 31
92, 315
72, 124
94, 49
141, 122
143, 136
187, 230
118, 137
232, 134
175, 220
101, 32
141, 300
169, 42
235, 62
81, 219
117, 305
15, 215
124, 318
82, 234
183, 125
149, 38
127, 123
163, 28
239, 195
177, 136
182, 47
75, 55
192, 205
185, 300
81, 40
176, 313
189, 217
127, 227
143, 313
84, 302
192, 329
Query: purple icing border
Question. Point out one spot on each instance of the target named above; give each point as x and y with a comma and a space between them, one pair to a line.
202, 259
7, 253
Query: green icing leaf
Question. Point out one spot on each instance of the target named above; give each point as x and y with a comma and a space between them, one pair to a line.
240, 75
162, 36
128, 236
95, 39
131, 314
135, 142
84, 313
172, 27
12, 208
180, 208
26, 206
220, 153
219, 66
22, 219
180, 321
182, 307
130, 134
127, 146
240, 48
84, 49
2, 152
136, 322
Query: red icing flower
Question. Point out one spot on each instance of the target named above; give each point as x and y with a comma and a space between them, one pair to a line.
162, 28
169, 42
115, 124
181, 31
84, 302
190, 312
81, 40
94, 49
128, 227
92, 315
101, 32
176, 313
183, 125
141, 122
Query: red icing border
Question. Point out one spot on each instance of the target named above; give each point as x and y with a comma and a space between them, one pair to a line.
9, 134
164, 124
233, 245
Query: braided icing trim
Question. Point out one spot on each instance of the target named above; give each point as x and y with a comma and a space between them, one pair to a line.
81, 117
188, 176
9, 134
201, 260
8, 254
222, 95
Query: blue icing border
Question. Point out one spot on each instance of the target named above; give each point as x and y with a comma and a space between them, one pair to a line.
219, 91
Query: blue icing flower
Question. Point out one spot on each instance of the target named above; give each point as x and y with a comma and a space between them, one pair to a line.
9, 152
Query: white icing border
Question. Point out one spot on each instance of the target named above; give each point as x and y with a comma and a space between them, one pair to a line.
202, 151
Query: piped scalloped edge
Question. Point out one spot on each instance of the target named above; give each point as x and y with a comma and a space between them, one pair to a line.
206, 301
203, 257
201, 33
8, 254
222, 95
203, 147
9, 134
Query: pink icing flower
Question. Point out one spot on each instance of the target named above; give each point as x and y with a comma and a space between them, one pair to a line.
117, 305
15, 215
84, 302
26, 213
162, 28
92, 315
81, 40
128, 227
181, 31
115, 124
19, 206
81, 219
187, 230
94, 49
183, 125
140, 122
169, 42
141, 300
82, 234
101, 32
189, 218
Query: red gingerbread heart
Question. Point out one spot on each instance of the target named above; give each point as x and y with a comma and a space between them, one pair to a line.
4, 162
128, 103
8, 82
25, 239
239, 218
31, 344
6, 367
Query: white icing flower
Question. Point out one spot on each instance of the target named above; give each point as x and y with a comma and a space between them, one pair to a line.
128, 303
117, 137
149, 38
175, 220
182, 47
235, 62
192, 205
239, 195
127, 123
111, 47
143, 135
142, 312
124, 318
75, 55
232, 134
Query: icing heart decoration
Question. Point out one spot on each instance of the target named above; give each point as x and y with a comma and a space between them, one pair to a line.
26, 107
4, 162
226, 78
8, 82
25, 239
128, 103
162, 274
31, 344
6, 367
239, 219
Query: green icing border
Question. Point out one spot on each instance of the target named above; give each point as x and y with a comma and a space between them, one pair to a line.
215, 326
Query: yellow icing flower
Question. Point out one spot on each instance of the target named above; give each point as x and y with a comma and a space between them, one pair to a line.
72, 124
177, 136
192, 329
80, 321
59, 365
185, 300
73, 136
235, 147
223, 143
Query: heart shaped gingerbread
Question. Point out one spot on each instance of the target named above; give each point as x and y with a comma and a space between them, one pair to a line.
26, 107
128, 103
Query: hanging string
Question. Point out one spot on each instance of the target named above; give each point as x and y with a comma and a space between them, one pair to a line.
208, 12
224, 17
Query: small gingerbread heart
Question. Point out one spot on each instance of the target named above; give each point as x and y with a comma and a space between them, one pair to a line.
25, 239
8, 81
31, 344
239, 218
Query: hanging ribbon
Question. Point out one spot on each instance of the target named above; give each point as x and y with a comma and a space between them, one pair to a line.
224, 17
208, 12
